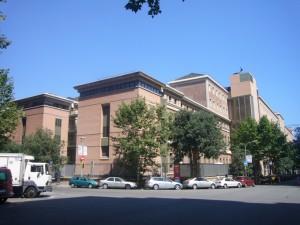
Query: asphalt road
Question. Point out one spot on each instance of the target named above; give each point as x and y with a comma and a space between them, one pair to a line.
266, 205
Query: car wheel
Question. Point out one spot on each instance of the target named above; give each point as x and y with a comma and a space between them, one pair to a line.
225, 186
90, 186
105, 186
2, 200
239, 185
177, 187
72, 185
127, 186
194, 186
213, 186
155, 186
31, 192
246, 185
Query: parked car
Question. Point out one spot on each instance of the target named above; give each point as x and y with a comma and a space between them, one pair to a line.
227, 182
162, 183
6, 187
245, 181
117, 182
198, 182
83, 181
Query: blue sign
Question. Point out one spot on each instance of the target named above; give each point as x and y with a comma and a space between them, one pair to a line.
245, 163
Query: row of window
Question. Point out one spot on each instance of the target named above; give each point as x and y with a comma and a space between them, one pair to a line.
218, 106
118, 87
217, 92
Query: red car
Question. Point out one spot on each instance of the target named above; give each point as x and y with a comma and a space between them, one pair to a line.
245, 181
6, 188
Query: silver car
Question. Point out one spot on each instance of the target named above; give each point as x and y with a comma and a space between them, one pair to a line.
117, 182
227, 182
162, 183
198, 182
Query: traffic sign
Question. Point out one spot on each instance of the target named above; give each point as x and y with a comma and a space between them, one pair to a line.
245, 163
82, 158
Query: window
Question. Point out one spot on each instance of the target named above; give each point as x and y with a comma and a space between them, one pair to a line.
58, 123
106, 120
104, 151
39, 169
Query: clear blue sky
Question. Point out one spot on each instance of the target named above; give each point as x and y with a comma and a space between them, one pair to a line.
59, 44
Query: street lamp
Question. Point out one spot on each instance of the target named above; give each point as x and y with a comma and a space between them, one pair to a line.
255, 141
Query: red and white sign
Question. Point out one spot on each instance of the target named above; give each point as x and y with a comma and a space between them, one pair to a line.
81, 158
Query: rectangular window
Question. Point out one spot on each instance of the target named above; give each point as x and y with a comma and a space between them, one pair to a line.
57, 132
104, 151
24, 120
106, 120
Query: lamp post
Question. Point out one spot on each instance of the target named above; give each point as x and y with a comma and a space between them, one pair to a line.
246, 151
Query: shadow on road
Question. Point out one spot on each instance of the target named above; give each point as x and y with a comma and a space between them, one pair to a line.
143, 211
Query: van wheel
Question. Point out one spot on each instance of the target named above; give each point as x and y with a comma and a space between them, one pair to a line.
31, 192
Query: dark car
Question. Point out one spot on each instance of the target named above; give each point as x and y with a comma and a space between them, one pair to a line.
245, 181
83, 181
6, 188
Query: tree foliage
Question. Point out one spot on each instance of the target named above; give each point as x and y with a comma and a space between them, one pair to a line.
136, 5
195, 134
45, 147
270, 146
10, 115
4, 42
143, 132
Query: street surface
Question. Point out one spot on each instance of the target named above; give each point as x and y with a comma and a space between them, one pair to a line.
263, 204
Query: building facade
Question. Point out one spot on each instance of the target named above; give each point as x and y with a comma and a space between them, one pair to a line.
86, 125
55, 113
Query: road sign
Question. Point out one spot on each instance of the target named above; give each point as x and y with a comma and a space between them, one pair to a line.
82, 158
245, 163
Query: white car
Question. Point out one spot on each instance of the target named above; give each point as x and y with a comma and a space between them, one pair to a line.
227, 182
162, 183
116, 182
198, 182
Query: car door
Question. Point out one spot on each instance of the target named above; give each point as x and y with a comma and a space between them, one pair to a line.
168, 183
111, 182
204, 183
119, 183
82, 182
230, 182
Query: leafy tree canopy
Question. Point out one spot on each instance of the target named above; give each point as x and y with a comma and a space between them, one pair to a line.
10, 115
44, 146
196, 133
143, 132
136, 5
3, 40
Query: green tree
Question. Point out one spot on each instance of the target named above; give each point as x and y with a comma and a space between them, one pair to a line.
245, 133
143, 133
195, 134
136, 5
10, 115
296, 145
12, 147
45, 147
3, 40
